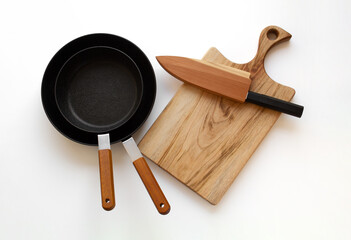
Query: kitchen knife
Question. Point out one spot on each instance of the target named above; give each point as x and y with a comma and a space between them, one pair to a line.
226, 81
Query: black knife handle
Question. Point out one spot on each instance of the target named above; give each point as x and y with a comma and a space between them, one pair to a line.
275, 104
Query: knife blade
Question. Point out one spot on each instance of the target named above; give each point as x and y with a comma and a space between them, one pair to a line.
226, 81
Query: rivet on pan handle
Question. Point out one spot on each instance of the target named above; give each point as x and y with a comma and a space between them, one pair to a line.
106, 173
147, 177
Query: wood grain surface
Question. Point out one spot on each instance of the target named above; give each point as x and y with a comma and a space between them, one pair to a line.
205, 140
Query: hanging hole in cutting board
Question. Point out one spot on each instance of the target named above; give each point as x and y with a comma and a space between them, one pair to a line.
272, 34
107, 200
162, 205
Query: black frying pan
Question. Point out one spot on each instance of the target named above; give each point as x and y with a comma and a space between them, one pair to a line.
102, 86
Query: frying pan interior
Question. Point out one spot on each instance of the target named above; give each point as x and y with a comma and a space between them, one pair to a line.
98, 89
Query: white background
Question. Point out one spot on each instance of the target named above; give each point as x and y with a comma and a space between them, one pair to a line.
295, 186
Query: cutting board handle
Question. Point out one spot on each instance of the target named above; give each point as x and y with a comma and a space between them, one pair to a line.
269, 37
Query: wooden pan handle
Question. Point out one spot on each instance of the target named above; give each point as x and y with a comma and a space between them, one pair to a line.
152, 186
269, 37
106, 179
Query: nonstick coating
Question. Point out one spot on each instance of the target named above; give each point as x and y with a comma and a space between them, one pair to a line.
98, 89
118, 128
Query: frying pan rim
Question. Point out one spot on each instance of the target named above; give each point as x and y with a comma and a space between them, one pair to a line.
135, 108
147, 101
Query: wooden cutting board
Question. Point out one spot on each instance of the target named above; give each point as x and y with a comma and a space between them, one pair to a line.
204, 140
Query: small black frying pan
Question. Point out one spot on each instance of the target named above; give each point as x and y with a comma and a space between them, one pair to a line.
99, 89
